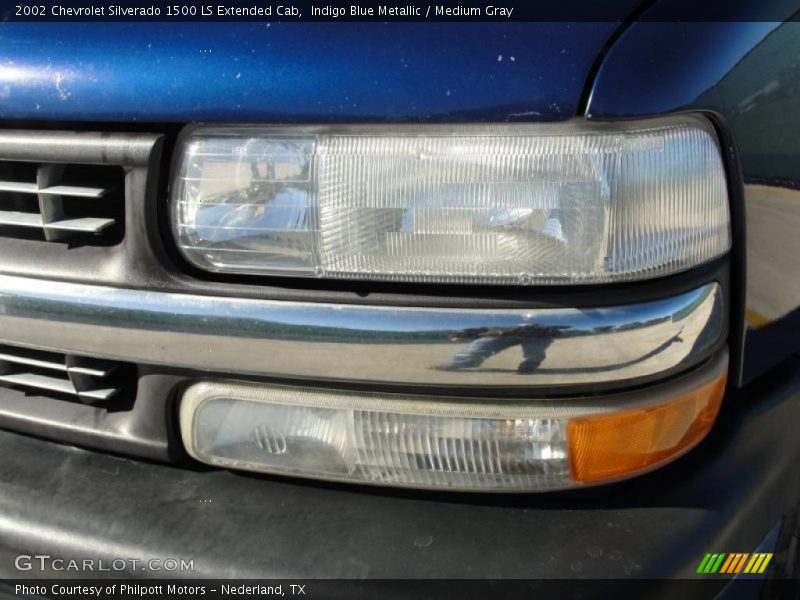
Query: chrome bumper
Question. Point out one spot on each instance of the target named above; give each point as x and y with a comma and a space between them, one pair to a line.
419, 346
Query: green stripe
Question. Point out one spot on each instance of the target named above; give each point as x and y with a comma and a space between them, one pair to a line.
717, 564
702, 567
711, 562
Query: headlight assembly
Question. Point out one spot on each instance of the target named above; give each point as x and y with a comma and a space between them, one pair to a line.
568, 203
524, 204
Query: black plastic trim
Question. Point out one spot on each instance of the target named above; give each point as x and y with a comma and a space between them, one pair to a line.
142, 426
737, 287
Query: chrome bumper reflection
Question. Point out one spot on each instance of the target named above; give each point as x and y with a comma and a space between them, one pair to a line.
421, 346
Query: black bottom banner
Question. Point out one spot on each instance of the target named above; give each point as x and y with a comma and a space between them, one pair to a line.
153, 589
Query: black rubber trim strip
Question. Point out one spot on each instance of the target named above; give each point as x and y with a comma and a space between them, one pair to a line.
591, 76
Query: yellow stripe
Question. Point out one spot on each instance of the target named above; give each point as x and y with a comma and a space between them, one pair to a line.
753, 560
757, 566
727, 563
741, 562
765, 563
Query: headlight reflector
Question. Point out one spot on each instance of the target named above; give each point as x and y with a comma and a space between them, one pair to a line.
507, 204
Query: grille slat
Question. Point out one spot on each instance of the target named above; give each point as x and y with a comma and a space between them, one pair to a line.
18, 186
20, 219
65, 200
89, 366
84, 378
74, 191
21, 356
84, 225
53, 384
41, 382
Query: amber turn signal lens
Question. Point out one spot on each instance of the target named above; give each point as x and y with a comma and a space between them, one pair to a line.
621, 444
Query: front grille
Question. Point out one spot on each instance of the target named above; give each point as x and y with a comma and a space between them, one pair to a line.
86, 379
62, 202
78, 204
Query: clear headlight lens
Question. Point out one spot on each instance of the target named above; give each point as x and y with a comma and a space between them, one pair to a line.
446, 443
512, 204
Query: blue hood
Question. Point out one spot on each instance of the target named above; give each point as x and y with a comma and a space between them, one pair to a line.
296, 72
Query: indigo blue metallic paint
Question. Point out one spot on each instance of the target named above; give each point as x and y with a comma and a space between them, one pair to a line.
748, 75
290, 72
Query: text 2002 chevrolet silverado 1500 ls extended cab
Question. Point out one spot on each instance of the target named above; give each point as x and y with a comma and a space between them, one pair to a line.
385, 266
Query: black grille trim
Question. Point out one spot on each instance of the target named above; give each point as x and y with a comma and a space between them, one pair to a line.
89, 380
102, 182
59, 202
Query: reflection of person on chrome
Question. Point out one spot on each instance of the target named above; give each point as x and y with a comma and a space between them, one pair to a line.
488, 341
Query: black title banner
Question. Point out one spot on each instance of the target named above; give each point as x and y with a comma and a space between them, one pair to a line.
441, 11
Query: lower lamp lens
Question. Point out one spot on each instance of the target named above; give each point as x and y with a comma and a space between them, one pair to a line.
613, 445
456, 444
